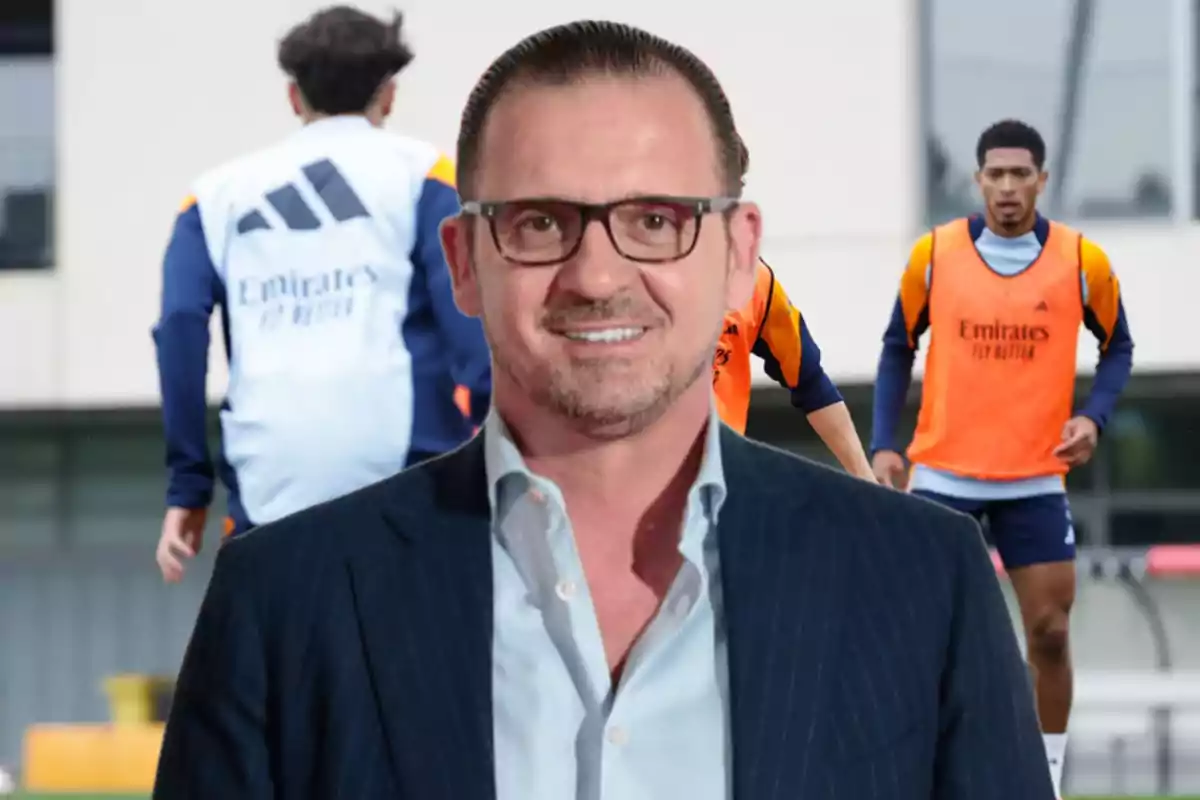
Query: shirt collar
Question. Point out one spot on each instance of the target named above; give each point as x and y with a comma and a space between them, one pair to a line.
505, 466
710, 481
502, 461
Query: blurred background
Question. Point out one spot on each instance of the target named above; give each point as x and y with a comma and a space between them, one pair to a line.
862, 117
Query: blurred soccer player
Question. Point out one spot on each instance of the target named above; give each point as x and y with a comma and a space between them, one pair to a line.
770, 327
322, 252
1003, 296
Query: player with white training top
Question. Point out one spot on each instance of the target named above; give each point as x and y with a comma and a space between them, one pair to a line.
322, 253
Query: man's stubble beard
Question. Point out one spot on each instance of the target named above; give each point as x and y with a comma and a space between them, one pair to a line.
546, 389
559, 393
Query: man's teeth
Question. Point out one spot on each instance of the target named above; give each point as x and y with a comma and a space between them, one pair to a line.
608, 335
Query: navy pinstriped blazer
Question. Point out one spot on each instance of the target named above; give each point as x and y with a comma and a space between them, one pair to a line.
345, 652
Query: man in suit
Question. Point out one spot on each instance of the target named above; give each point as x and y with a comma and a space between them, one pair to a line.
606, 594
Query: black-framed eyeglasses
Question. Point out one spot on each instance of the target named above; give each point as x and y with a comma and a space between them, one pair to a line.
649, 230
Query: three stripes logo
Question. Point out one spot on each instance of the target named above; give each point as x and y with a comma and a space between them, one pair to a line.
331, 187
304, 295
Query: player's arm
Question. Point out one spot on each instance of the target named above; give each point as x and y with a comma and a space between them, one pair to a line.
1104, 316
191, 289
470, 358
793, 359
909, 320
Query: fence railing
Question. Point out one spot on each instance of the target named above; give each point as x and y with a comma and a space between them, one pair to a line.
1162, 692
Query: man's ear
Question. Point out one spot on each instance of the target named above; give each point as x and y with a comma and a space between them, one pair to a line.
455, 233
296, 100
745, 236
386, 99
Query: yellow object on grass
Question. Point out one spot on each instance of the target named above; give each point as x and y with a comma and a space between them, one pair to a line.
91, 758
137, 699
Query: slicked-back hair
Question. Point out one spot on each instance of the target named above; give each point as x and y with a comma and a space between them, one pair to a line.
1011, 134
568, 53
340, 57
743, 158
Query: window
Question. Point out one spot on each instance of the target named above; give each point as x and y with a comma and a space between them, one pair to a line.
1141, 528
1155, 444
1083, 479
114, 485
29, 491
1083, 532
26, 134
774, 420
84, 480
1094, 78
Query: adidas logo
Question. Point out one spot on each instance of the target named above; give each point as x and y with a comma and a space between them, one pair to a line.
289, 204
1041, 306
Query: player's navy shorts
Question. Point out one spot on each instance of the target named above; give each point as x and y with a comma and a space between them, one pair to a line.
1025, 530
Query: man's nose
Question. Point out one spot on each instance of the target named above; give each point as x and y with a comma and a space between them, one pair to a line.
597, 270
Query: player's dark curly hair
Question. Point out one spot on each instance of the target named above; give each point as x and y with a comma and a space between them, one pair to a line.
340, 57
566, 53
1011, 133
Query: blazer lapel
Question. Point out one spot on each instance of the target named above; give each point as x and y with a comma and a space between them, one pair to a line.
784, 588
424, 602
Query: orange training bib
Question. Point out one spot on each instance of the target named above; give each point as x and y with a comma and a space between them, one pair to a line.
1000, 371
732, 377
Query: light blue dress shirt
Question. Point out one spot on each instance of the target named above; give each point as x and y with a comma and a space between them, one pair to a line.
561, 730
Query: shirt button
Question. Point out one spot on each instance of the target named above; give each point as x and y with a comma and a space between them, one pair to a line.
618, 736
565, 590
